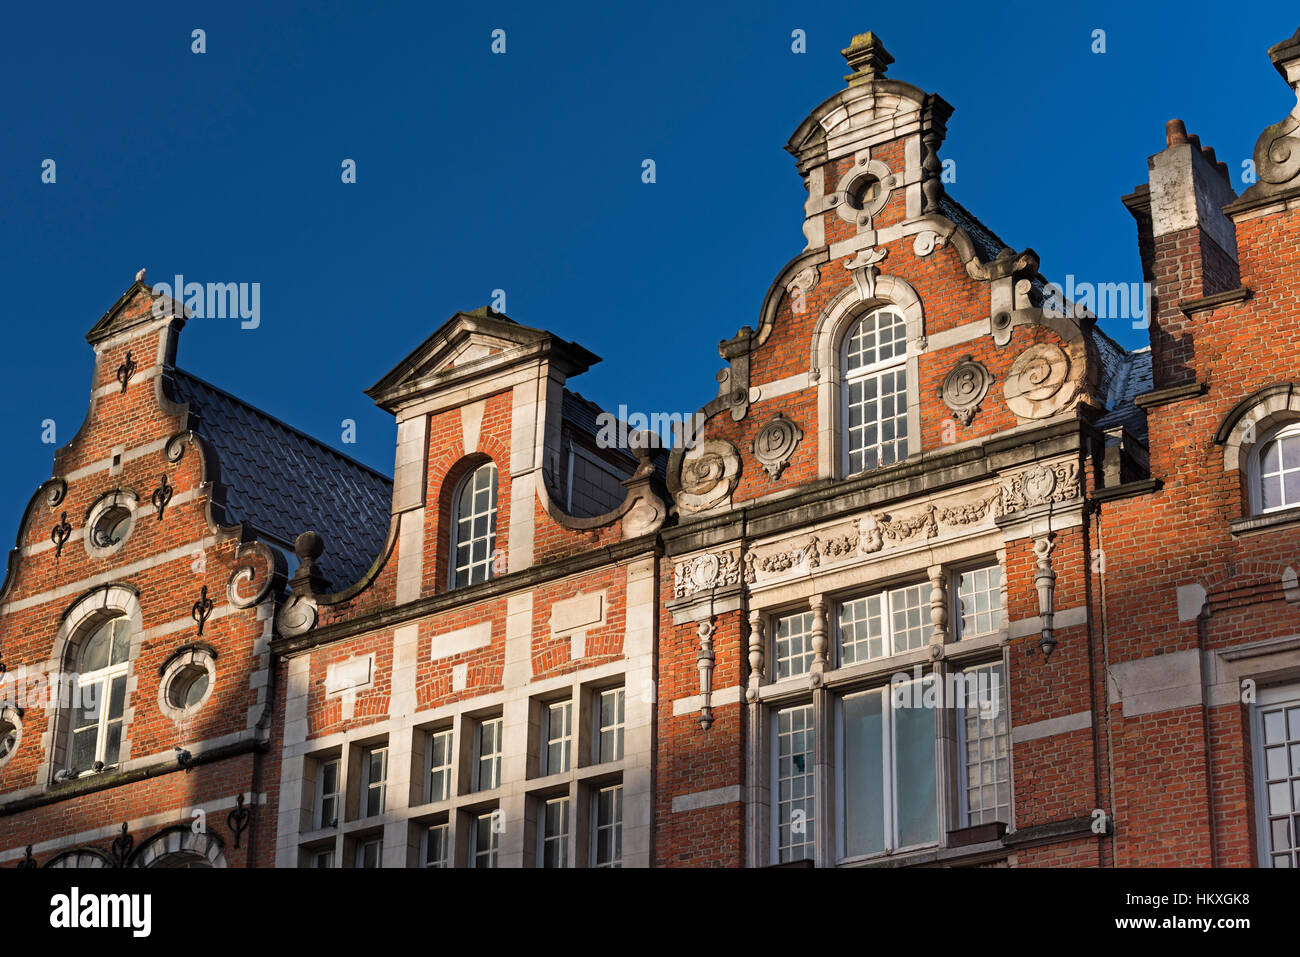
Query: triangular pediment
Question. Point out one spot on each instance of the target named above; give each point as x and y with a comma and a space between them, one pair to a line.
468, 345
135, 307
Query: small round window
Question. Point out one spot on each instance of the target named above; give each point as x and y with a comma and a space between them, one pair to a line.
109, 523
189, 687
10, 733
187, 681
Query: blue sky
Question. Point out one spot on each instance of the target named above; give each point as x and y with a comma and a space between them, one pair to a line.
522, 172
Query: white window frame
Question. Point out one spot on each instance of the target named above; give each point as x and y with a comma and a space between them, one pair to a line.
544, 836
875, 370
1271, 699
491, 758
491, 854
889, 769
804, 634
564, 740
370, 786
318, 807
444, 828
103, 678
445, 769
963, 762
617, 729
998, 609
810, 774
376, 841
472, 568
1255, 469
887, 604
616, 825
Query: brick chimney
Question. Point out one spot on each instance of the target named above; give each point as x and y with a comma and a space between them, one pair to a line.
1188, 246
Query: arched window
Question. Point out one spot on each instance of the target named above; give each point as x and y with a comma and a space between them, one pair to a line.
1275, 475
100, 703
474, 527
873, 376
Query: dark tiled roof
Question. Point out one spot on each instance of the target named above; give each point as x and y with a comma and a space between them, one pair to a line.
583, 414
282, 482
1129, 376
987, 243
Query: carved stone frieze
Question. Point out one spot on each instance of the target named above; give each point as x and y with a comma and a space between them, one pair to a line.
702, 572
1057, 482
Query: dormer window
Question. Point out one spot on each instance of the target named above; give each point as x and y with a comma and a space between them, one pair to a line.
474, 527
1275, 476
873, 372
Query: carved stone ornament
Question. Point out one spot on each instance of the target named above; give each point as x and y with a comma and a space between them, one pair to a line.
965, 388
297, 616
775, 444
1039, 486
1040, 383
704, 572
710, 472
926, 242
864, 268
1277, 152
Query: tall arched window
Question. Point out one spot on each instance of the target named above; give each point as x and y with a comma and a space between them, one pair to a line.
1275, 482
474, 527
97, 713
873, 373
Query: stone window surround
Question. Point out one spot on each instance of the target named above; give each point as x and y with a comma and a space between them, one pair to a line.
832, 325
836, 682
192, 657
1244, 431
580, 783
11, 717
79, 621
117, 498
1254, 480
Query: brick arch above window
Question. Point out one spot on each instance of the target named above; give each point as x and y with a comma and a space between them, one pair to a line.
836, 320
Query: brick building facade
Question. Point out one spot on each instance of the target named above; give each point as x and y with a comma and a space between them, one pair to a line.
947, 576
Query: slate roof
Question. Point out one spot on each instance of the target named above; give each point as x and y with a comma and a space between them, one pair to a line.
582, 414
281, 482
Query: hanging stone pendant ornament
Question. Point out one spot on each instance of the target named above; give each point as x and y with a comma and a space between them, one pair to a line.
965, 388
125, 371
60, 534
162, 495
202, 609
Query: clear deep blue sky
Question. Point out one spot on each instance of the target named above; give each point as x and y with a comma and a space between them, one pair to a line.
522, 172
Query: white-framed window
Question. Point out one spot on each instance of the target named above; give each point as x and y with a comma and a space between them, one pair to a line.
474, 526
557, 735
1275, 471
437, 844
985, 728
323, 859
487, 754
374, 781
607, 827
484, 839
326, 813
554, 849
792, 768
793, 640
98, 712
1276, 732
888, 785
979, 601
609, 725
370, 852
888, 622
440, 761
873, 369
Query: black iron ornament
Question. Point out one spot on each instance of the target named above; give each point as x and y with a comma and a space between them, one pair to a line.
162, 495
60, 534
125, 371
122, 847
202, 608
28, 862
237, 820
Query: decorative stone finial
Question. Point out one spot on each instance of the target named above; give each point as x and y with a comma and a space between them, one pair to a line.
1277, 152
139, 277
868, 58
308, 546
